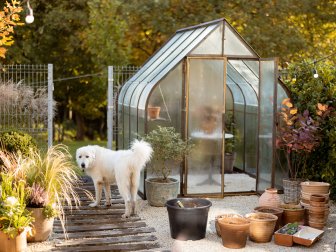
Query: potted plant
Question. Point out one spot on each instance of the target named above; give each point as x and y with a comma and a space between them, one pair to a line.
298, 134
168, 149
15, 219
52, 179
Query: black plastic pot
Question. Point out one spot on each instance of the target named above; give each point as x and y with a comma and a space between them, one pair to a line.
190, 222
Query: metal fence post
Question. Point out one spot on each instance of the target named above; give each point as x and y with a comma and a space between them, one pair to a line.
110, 108
50, 105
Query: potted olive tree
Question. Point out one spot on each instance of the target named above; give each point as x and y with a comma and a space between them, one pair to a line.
168, 149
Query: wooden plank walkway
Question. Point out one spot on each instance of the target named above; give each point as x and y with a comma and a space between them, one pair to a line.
102, 228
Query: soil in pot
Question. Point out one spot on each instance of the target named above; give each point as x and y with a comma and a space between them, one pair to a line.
188, 222
262, 226
234, 231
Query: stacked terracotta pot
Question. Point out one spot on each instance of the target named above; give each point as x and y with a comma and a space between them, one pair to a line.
315, 198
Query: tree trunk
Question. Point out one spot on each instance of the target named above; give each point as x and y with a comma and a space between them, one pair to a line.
80, 127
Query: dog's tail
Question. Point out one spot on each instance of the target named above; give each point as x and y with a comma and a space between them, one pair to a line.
142, 152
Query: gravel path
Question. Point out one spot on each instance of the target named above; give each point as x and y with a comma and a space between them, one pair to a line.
157, 217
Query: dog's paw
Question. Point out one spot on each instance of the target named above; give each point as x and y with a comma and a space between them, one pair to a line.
108, 203
94, 204
124, 216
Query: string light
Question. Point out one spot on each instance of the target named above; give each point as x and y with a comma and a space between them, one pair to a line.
30, 17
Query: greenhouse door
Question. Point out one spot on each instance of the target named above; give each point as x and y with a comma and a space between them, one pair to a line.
205, 106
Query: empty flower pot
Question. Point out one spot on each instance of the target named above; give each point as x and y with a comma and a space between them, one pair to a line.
234, 231
262, 226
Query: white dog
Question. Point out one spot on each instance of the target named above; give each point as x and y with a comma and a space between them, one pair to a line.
123, 167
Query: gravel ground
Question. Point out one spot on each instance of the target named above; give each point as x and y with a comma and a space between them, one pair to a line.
157, 217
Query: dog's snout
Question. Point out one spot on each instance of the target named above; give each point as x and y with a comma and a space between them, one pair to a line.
83, 165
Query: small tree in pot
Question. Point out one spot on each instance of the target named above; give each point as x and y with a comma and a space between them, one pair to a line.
298, 134
167, 147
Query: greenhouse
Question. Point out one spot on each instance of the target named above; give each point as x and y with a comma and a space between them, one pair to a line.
213, 88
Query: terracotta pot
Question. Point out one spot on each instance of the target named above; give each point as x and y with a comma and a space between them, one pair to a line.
317, 198
42, 226
292, 190
234, 231
292, 213
17, 244
272, 210
261, 226
153, 112
317, 225
270, 198
229, 215
313, 187
317, 204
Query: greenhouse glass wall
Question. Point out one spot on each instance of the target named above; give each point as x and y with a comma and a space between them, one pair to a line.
213, 88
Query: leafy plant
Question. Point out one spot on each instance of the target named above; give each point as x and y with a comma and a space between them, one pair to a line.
52, 177
14, 141
14, 217
167, 146
290, 228
298, 135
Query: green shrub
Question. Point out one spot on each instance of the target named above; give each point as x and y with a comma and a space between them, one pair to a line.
13, 141
306, 92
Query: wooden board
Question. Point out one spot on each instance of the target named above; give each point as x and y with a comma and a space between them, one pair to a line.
102, 228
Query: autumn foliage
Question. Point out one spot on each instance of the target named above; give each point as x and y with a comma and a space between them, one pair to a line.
298, 134
9, 17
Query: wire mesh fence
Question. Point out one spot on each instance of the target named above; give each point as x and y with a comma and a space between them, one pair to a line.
24, 100
118, 75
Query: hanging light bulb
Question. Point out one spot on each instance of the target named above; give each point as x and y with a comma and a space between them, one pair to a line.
30, 17
315, 74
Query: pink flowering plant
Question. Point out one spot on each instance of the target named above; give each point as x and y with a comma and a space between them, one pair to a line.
14, 217
298, 134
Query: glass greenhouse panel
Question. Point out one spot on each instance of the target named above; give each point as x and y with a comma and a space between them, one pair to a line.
267, 86
251, 139
173, 79
280, 171
246, 73
250, 95
234, 44
126, 127
205, 111
210, 45
194, 39
149, 63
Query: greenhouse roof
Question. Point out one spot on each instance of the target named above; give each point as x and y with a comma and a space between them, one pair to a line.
217, 37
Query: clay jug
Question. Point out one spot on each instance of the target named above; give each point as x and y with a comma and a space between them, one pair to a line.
270, 198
